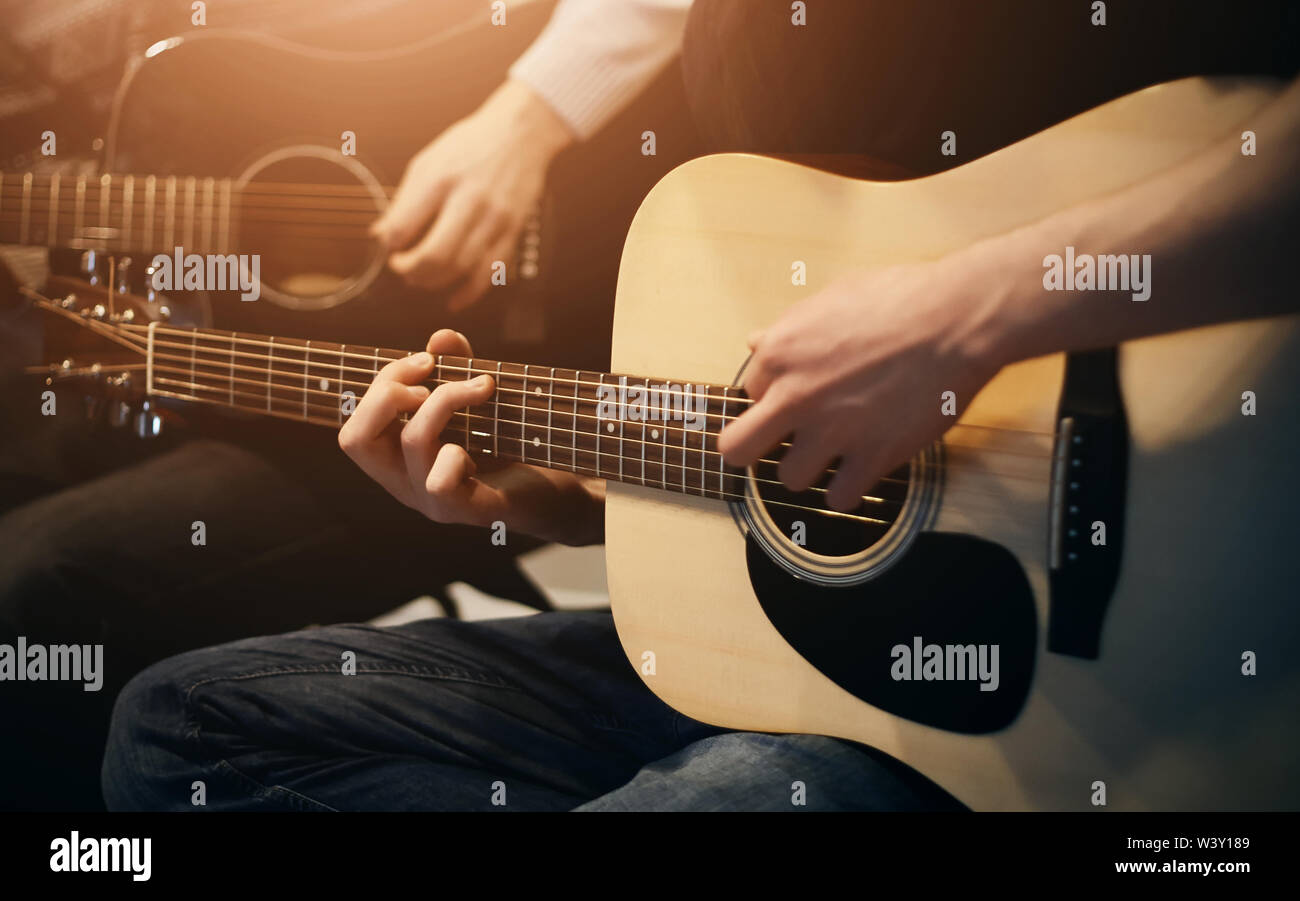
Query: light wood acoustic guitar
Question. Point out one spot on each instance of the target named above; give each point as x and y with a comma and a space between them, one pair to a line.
1155, 670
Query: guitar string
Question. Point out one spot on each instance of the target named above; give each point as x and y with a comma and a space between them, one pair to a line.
113, 333
262, 398
300, 390
596, 472
297, 388
383, 353
668, 448
225, 364
110, 330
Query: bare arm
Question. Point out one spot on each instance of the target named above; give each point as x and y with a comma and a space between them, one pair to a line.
881, 346
1220, 229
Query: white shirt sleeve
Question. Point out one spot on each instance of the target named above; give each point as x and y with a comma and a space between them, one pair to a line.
594, 56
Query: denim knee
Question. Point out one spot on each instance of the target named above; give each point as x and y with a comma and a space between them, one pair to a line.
148, 761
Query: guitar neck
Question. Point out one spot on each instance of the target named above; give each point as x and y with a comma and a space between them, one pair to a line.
645, 431
119, 213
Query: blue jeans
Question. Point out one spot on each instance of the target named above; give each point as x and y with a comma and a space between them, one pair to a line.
540, 712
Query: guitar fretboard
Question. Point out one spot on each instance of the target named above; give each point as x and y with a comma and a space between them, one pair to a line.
654, 432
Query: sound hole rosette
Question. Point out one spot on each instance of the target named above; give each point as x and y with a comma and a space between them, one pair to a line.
351, 286
919, 507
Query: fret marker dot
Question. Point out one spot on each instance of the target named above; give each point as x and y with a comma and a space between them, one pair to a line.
537, 391
654, 433
537, 441
324, 384
610, 427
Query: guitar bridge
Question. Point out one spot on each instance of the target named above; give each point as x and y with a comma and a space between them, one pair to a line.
1086, 526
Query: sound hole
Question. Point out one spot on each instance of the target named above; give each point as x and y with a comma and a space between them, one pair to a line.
308, 219
805, 520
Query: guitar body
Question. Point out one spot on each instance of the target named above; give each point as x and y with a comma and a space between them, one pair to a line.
1162, 713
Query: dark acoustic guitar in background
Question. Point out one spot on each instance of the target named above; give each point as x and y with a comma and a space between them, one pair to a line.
216, 117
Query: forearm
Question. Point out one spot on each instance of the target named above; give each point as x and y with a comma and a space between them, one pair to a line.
1219, 229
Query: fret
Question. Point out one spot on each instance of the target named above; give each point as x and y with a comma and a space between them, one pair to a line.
644, 416
209, 187
550, 401
527, 395
128, 202
469, 374
169, 214
577, 380
105, 203
720, 428
438, 377
704, 442
27, 208
233, 335
685, 432
79, 211
600, 381
188, 215
53, 235
663, 454
496, 412
223, 220
622, 419
270, 358
306, 365
343, 355
150, 185
2, 191
506, 374
523, 417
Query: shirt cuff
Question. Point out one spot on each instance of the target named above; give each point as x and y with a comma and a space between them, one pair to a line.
588, 65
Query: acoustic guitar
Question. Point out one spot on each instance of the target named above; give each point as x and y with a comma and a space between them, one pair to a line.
964, 618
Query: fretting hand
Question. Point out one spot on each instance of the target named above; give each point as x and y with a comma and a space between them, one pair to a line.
442, 480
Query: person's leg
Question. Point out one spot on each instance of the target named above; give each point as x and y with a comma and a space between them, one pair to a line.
151, 549
122, 561
541, 712
753, 771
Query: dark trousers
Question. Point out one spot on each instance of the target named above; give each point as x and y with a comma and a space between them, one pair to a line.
97, 546
537, 713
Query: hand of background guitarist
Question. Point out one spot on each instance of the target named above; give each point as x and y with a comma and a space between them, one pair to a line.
442, 481
465, 197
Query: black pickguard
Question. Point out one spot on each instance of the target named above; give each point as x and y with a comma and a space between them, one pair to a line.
948, 589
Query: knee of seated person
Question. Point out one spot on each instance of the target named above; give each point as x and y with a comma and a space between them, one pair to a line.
146, 765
